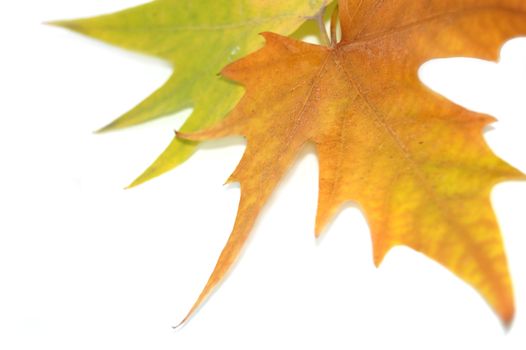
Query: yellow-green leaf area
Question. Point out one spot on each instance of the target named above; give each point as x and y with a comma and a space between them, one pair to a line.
198, 38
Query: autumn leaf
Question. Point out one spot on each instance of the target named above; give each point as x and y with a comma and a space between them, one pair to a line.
198, 38
415, 162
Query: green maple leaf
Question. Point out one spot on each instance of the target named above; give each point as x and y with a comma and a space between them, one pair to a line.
198, 38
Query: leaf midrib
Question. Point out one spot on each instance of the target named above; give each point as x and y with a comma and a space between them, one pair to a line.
362, 40
204, 28
428, 188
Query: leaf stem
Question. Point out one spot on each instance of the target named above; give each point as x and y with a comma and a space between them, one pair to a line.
334, 26
324, 36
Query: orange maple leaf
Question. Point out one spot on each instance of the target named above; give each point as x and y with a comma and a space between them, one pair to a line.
416, 163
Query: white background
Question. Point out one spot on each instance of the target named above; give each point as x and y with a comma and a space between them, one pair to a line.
85, 264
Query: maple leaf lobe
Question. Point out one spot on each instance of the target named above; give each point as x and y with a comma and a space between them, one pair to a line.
197, 38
